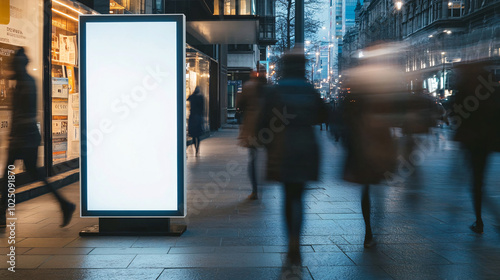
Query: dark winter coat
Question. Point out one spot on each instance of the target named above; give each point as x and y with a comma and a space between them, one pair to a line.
291, 110
195, 123
476, 109
24, 132
371, 151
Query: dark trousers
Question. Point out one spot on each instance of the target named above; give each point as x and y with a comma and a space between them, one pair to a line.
29, 157
478, 158
252, 172
366, 209
196, 142
294, 209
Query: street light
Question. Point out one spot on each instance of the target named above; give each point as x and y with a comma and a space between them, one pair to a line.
399, 5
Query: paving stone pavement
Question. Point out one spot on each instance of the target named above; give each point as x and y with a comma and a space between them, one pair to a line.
420, 222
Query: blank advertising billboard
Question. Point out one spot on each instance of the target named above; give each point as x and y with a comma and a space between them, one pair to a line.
132, 119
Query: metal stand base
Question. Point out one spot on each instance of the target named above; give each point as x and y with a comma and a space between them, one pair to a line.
134, 227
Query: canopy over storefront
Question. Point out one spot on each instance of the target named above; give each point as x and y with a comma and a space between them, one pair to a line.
224, 32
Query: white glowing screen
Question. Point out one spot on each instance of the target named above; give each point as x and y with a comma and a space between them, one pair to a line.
131, 103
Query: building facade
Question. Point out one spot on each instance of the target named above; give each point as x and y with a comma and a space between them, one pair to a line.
48, 30
436, 33
243, 58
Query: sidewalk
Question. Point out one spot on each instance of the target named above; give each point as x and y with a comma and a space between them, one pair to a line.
421, 226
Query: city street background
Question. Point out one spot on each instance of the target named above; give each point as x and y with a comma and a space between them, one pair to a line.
421, 226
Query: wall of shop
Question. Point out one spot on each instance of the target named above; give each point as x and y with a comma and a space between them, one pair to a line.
21, 25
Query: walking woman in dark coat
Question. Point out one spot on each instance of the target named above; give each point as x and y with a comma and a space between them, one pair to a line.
25, 137
195, 124
476, 117
292, 108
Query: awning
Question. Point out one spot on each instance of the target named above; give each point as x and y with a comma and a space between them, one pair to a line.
242, 31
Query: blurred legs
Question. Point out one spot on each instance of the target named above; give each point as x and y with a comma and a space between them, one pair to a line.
366, 209
293, 213
252, 172
478, 159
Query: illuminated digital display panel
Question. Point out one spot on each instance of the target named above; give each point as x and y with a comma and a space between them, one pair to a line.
132, 96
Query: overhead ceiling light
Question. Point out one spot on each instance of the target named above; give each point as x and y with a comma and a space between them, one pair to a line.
63, 14
69, 7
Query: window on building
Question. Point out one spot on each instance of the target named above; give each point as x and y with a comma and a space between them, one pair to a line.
236, 7
230, 7
455, 8
246, 7
158, 7
240, 47
267, 31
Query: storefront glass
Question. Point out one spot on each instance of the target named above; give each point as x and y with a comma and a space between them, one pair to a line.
198, 74
64, 83
116, 8
127, 6
21, 25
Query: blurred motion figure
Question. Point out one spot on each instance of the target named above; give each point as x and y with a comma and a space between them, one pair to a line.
368, 114
250, 103
292, 108
195, 123
476, 117
25, 137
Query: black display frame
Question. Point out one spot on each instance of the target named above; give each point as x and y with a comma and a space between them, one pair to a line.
180, 21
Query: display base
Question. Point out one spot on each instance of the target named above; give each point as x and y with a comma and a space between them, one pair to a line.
134, 227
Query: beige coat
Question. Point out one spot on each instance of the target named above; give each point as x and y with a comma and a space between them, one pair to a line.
250, 102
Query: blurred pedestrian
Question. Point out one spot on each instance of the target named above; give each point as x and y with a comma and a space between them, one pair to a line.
324, 119
250, 103
336, 120
476, 115
195, 123
25, 137
292, 108
368, 114
421, 112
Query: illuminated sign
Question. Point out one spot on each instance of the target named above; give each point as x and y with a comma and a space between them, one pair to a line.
132, 98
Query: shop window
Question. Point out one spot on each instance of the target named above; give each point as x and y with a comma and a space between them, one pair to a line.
116, 8
233, 88
130, 6
21, 26
198, 75
64, 80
